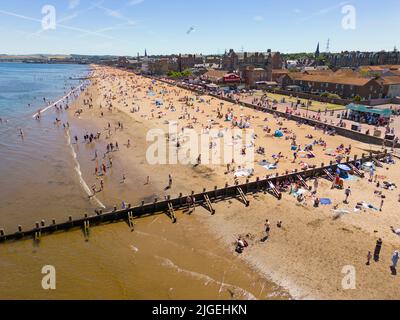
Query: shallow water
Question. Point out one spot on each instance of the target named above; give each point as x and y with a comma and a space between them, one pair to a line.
36, 169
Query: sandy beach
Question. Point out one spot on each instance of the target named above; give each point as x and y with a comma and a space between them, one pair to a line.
306, 256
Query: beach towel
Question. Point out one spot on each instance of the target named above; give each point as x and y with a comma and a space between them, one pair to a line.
266, 165
350, 178
325, 201
244, 173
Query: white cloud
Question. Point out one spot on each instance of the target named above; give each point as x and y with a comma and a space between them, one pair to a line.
135, 2
258, 18
72, 4
327, 10
117, 15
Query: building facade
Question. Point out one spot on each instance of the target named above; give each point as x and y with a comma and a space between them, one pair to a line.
269, 60
356, 59
347, 87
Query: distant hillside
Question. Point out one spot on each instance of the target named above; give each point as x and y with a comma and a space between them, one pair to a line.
32, 57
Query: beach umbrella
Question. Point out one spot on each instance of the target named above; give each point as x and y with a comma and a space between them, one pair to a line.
343, 167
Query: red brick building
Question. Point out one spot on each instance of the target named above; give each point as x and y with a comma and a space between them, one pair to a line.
345, 85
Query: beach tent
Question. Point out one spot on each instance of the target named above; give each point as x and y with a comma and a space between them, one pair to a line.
278, 134
343, 171
159, 102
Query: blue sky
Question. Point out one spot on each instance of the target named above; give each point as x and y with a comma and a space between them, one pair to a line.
125, 27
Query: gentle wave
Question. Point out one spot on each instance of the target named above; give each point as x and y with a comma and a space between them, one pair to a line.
79, 172
60, 100
168, 263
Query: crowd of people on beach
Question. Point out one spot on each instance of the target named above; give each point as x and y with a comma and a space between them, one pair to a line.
155, 101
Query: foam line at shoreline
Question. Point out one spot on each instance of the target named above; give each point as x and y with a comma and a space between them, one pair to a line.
205, 278
60, 100
79, 172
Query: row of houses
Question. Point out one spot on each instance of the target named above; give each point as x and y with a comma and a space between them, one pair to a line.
266, 69
345, 83
355, 59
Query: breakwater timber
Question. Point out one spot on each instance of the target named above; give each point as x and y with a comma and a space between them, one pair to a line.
169, 206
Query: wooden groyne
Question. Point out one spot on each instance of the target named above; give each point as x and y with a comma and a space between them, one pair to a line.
168, 206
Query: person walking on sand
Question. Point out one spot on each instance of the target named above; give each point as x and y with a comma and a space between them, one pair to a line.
378, 249
169, 181
347, 192
316, 182
294, 157
267, 227
93, 190
395, 260
371, 174
382, 203
369, 257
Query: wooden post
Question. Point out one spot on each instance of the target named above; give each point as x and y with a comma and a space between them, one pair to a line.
86, 226
131, 220
180, 198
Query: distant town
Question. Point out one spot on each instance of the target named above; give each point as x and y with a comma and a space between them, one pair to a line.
368, 77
